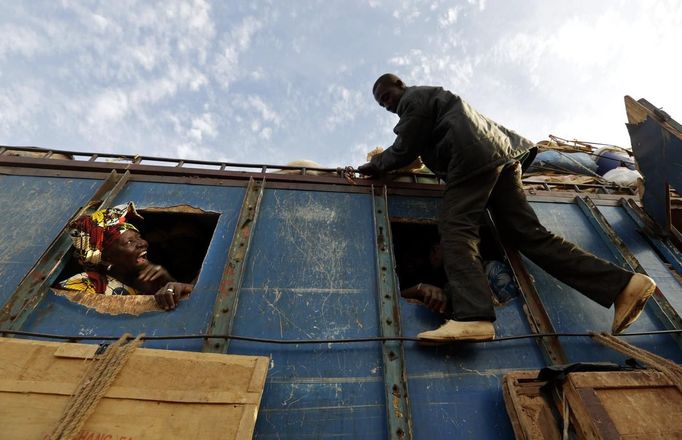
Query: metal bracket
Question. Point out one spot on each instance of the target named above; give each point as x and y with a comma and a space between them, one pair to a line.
34, 286
228, 293
398, 412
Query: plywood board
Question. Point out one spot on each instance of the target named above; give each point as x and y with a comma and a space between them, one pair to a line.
159, 394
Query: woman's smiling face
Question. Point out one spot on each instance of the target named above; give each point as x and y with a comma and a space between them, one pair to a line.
128, 253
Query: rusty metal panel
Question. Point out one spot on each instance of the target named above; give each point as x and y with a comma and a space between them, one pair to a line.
34, 210
311, 275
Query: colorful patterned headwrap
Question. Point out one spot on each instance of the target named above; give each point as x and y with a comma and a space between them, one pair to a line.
91, 234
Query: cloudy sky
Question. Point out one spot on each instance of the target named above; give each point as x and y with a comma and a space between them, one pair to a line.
273, 81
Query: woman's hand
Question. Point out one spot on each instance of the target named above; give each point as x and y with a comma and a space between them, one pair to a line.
154, 272
168, 296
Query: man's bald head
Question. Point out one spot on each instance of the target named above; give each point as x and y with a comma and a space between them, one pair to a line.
388, 90
387, 79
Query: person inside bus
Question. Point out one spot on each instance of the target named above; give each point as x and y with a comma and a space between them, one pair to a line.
113, 255
479, 160
424, 273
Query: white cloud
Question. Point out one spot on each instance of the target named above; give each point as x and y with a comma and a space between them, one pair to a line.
18, 40
449, 17
203, 126
346, 105
18, 104
266, 133
226, 67
479, 3
264, 109
110, 106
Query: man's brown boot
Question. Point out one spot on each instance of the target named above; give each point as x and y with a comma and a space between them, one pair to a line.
630, 302
460, 331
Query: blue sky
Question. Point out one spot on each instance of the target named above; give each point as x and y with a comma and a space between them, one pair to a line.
275, 81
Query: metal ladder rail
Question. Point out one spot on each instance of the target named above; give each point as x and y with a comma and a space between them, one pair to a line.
227, 299
399, 416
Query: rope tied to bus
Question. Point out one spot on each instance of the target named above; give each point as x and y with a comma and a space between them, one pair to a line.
94, 383
347, 173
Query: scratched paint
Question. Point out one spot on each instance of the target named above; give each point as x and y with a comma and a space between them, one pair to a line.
34, 210
311, 274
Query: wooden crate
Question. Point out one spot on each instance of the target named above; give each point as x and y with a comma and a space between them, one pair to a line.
627, 405
159, 394
630, 405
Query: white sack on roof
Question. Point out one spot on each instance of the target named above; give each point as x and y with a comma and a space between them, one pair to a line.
623, 176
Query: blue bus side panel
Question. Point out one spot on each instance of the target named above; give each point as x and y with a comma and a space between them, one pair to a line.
311, 275
455, 390
646, 255
572, 312
59, 315
418, 208
34, 210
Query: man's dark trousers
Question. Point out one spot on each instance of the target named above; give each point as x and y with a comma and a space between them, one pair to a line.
500, 190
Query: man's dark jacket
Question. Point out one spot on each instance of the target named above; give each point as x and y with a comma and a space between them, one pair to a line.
454, 140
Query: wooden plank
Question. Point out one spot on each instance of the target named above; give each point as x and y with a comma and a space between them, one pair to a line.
158, 393
625, 405
619, 379
132, 393
649, 411
635, 111
581, 417
32, 416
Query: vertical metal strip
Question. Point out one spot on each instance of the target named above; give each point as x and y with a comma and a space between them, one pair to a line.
399, 418
538, 318
228, 294
33, 288
663, 310
665, 248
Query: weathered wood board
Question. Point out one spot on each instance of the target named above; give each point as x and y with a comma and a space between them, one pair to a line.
159, 394
529, 409
624, 405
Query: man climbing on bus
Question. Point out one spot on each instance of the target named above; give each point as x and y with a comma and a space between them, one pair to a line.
479, 160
